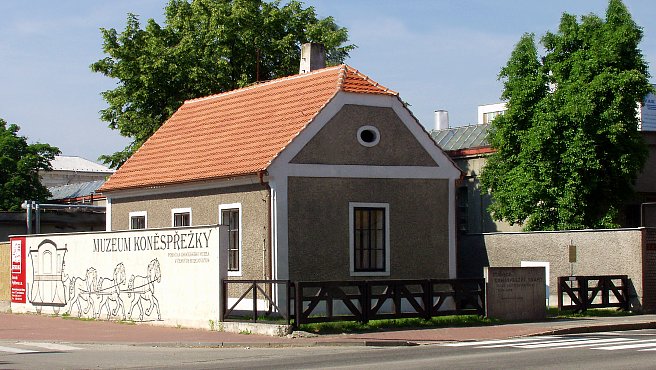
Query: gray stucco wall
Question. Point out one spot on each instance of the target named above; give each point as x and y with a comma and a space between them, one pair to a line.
599, 252
473, 215
319, 226
205, 211
337, 141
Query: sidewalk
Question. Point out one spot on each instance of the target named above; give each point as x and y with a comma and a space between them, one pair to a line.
26, 327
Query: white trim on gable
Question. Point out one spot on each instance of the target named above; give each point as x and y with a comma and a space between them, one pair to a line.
280, 229
363, 171
446, 168
442, 159
280, 169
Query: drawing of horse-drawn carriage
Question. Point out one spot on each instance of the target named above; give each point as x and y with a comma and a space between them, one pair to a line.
47, 288
51, 287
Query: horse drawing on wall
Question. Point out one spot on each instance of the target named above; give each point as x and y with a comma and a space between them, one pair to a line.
110, 290
83, 289
142, 288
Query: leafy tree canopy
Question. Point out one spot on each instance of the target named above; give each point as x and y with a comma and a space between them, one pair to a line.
567, 149
19, 168
205, 47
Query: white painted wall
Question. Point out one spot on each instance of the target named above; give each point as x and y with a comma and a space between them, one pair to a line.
489, 108
161, 276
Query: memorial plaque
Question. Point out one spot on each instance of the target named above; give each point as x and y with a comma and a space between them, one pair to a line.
515, 293
572, 253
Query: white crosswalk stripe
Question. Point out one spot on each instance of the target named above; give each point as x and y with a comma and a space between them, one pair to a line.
609, 341
35, 347
640, 344
15, 350
495, 341
50, 346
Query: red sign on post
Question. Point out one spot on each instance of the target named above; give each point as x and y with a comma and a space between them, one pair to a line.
18, 280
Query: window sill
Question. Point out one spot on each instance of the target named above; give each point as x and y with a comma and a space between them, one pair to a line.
370, 273
234, 273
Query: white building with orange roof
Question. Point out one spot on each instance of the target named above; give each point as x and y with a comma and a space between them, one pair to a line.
324, 175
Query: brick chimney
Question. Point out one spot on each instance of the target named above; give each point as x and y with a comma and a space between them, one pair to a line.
313, 57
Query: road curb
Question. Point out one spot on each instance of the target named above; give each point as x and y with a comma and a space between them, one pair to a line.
353, 343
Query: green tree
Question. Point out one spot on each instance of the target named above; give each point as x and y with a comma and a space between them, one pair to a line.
205, 47
19, 168
567, 149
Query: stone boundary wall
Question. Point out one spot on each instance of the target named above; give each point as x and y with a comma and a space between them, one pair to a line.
598, 252
5, 276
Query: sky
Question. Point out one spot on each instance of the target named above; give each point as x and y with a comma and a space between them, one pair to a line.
438, 54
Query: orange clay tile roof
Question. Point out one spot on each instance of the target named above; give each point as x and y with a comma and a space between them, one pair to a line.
238, 132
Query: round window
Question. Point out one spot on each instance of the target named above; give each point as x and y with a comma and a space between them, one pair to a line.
368, 136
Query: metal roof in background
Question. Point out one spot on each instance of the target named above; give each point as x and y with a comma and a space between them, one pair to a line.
77, 164
75, 190
462, 137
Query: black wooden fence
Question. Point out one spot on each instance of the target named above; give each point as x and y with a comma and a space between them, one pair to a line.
600, 291
362, 300
387, 299
257, 291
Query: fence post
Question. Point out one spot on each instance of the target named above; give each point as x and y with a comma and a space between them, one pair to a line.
224, 300
365, 302
625, 292
428, 299
298, 304
561, 283
397, 298
289, 292
254, 301
583, 293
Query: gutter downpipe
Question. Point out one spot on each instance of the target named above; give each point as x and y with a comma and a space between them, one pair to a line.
268, 244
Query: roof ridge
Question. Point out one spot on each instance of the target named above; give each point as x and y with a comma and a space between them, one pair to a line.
342, 76
366, 78
263, 83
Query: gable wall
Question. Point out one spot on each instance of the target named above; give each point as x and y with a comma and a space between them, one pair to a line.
319, 226
337, 143
205, 211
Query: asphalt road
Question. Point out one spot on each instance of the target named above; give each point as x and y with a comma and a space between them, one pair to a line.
608, 350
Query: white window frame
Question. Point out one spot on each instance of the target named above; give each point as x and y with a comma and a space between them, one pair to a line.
241, 256
138, 214
175, 211
352, 206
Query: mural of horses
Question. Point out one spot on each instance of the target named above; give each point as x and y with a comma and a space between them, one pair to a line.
83, 289
143, 288
110, 290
